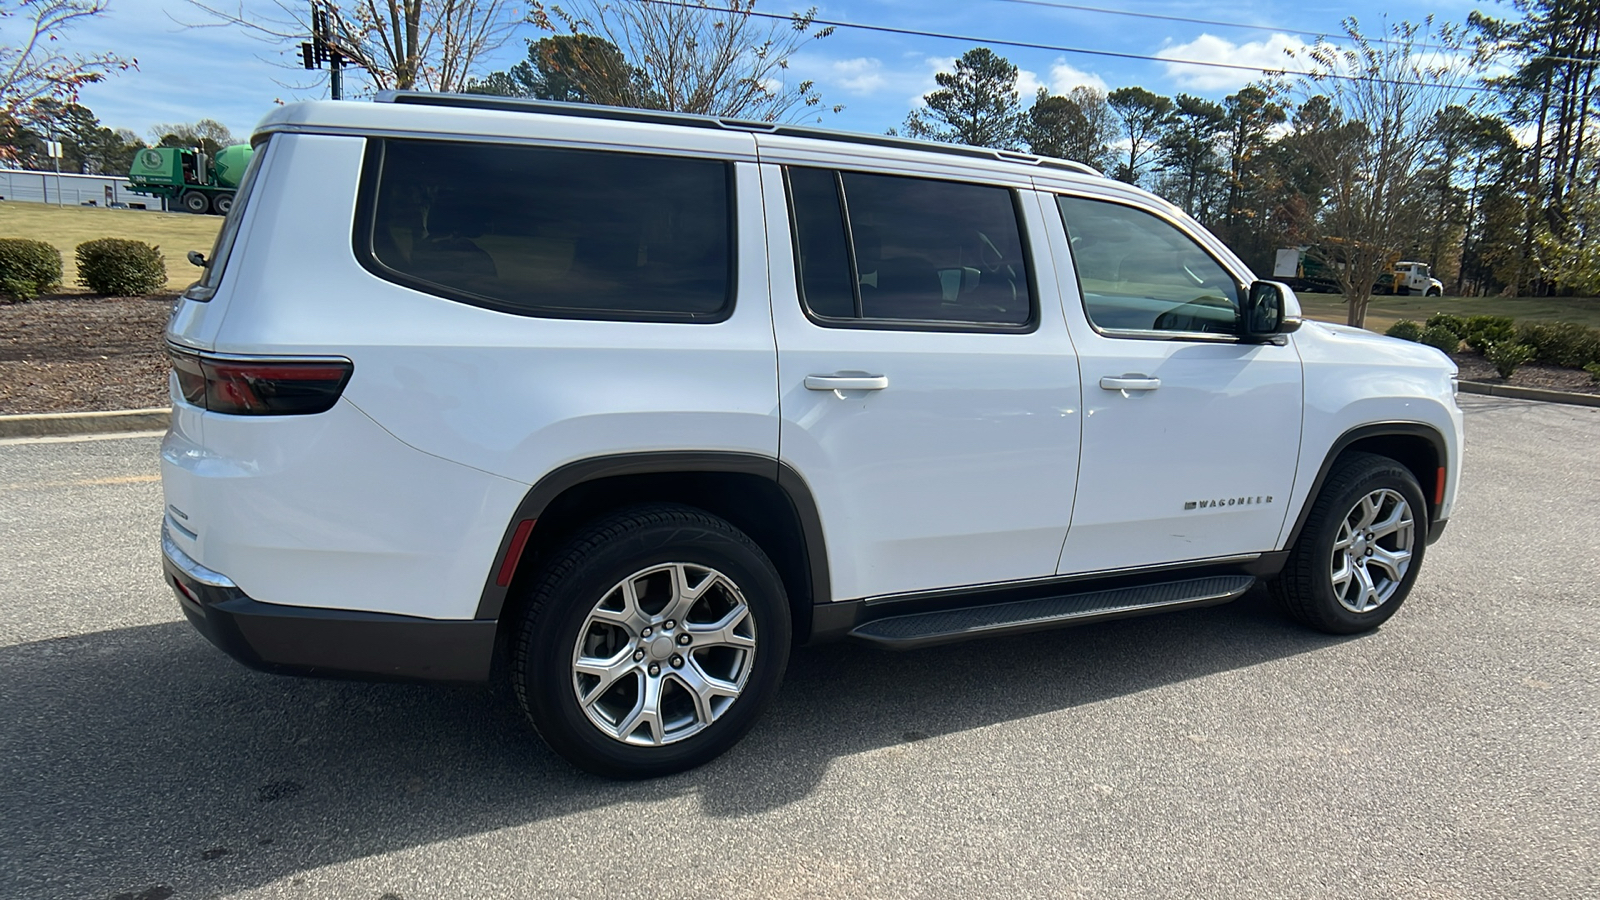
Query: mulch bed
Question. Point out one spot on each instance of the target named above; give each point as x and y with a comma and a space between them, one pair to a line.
77, 353
1533, 375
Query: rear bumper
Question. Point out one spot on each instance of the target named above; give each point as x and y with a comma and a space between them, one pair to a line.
325, 642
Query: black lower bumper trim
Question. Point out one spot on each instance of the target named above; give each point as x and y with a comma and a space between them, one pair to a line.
335, 643
1436, 529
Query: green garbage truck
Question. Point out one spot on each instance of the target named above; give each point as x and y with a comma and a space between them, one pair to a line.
189, 180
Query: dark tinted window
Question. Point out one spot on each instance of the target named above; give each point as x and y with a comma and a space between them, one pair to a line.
555, 232
820, 238
920, 250
223, 248
1138, 272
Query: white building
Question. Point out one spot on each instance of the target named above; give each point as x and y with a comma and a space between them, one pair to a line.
72, 190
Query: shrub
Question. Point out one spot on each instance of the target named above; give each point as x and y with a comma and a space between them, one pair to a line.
1405, 330
1441, 337
120, 268
1507, 356
28, 268
1485, 331
1594, 370
1456, 324
1562, 343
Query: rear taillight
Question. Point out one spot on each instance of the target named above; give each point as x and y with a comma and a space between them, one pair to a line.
243, 386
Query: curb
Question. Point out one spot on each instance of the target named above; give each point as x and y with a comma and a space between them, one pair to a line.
1522, 393
53, 424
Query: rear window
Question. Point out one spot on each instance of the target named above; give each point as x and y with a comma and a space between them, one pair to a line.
206, 287
551, 232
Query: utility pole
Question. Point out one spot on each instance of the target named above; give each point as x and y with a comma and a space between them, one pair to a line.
324, 48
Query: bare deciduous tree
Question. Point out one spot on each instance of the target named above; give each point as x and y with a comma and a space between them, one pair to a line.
1384, 97
431, 45
717, 59
36, 66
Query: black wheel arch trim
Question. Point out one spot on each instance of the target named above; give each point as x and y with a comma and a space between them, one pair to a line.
1361, 433
789, 482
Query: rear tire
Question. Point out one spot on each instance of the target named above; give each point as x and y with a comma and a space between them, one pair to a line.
652, 642
222, 203
195, 202
1360, 550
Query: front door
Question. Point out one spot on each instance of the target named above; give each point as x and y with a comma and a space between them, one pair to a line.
1190, 436
927, 396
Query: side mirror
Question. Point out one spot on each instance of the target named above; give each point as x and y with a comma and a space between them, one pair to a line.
1270, 309
196, 258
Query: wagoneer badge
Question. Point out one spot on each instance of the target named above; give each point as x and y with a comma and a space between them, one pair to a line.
1230, 501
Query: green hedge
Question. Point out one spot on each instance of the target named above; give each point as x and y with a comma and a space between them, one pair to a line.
1441, 337
1562, 343
1456, 324
119, 268
1484, 332
1507, 356
1405, 330
28, 268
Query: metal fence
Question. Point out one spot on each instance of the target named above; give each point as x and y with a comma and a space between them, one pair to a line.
72, 190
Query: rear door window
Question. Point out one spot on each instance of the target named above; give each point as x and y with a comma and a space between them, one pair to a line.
551, 231
890, 251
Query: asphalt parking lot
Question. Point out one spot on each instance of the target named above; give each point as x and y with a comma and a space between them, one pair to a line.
1213, 753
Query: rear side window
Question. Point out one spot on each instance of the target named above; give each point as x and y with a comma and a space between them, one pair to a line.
1138, 272
882, 250
206, 287
551, 232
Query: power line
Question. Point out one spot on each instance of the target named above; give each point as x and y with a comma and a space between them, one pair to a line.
1054, 48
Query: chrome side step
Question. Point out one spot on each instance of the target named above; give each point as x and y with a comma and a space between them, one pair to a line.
927, 629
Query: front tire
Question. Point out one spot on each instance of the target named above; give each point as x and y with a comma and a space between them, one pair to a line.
652, 642
1360, 550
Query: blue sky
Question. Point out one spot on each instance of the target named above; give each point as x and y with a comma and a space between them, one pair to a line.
221, 73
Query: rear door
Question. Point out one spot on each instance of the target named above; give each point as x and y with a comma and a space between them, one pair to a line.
927, 397
1190, 436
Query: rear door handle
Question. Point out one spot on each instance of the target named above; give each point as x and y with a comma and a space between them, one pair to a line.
852, 382
1130, 383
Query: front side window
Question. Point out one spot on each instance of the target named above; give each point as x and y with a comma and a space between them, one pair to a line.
891, 249
1139, 273
206, 287
549, 231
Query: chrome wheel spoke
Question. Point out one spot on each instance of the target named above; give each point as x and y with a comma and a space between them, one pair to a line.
621, 608
1341, 577
646, 712
1369, 594
607, 671
1369, 507
705, 690
724, 632
1393, 562
1396, 520
689, 584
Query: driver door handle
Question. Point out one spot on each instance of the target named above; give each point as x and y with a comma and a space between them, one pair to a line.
862, 382
1129, 383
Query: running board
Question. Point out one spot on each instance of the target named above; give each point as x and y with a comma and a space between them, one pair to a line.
946, 626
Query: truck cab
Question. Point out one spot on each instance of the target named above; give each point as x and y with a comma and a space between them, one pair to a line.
1416, 278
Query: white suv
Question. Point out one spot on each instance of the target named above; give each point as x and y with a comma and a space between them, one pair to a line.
621, 404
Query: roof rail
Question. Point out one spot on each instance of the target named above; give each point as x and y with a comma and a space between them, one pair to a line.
661, 117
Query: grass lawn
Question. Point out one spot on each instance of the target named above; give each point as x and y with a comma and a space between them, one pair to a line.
1385, 311
67, 227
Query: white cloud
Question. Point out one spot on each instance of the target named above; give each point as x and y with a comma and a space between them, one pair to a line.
1064, 77
1028, 84
1270, 53
860, 76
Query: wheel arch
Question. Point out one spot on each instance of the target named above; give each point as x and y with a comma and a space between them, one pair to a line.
1420, 448
759, 495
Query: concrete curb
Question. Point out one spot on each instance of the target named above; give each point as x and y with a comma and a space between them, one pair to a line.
53, 424
1522, 393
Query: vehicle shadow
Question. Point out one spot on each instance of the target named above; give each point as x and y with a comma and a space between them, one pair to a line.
142, 763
